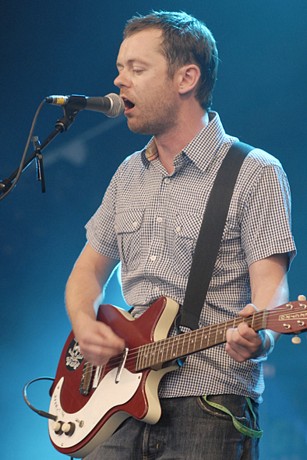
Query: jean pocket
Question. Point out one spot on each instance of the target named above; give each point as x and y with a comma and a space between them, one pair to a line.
211, 410
238, 409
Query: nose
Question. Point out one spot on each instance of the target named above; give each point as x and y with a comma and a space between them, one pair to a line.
117, 81
121, 80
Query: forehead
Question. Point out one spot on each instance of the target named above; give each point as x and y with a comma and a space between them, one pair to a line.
145, 43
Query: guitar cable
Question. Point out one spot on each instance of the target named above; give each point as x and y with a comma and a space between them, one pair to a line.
42, 413
25, 397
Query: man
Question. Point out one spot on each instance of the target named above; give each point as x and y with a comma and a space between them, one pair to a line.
149, 221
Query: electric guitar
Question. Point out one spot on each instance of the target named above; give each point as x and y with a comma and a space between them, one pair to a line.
88, 402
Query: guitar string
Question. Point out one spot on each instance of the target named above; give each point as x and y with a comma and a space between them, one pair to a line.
256, 320
211, 330
178, 340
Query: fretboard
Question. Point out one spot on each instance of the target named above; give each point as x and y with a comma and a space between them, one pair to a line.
174, 347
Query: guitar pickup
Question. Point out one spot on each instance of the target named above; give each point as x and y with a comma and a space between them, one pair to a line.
86, 379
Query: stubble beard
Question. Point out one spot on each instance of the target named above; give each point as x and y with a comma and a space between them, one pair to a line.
163, 119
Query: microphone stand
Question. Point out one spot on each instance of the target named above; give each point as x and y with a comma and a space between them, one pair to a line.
61, 125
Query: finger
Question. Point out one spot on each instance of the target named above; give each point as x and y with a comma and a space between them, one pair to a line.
233, 348
242, 342
249, 310
111, 339
237, 338
100, 344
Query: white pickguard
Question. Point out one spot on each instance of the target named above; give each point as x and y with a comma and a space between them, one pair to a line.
107, 395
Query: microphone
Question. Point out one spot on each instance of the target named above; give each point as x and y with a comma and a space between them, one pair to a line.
111, 105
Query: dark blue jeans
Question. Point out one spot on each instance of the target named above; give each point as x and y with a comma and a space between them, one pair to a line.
188, 429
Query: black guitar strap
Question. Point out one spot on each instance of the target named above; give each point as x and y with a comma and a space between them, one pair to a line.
211, 233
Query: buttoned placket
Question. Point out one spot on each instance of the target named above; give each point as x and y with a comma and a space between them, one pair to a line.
157, 248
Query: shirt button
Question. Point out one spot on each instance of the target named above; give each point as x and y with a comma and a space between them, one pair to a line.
167, 180
135, 224
153, 258
159, 219
178, 229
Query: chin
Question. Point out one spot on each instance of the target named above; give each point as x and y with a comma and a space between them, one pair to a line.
139, 129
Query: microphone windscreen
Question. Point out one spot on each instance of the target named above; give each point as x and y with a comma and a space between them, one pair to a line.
117, 105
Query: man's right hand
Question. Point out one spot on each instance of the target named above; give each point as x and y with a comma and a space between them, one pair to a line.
98, 343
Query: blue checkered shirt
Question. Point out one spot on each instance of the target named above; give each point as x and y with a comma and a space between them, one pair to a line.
150, 220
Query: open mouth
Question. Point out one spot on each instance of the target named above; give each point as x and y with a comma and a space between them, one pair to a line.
128, 104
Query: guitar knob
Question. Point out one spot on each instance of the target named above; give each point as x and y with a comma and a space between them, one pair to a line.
68, 428
296, 340
57, 427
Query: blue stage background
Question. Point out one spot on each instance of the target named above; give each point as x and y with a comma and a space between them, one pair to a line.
65, 47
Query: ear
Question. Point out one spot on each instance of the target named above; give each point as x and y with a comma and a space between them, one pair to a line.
188, 77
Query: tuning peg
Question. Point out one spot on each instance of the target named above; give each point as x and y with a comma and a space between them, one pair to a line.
296, 340
301, 298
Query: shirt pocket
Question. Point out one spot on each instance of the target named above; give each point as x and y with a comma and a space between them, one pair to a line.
128, 230
186, 231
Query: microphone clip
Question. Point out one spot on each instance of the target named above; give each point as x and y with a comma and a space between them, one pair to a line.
39, 162
70, 113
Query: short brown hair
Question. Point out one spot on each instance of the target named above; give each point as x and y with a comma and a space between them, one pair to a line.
186, 40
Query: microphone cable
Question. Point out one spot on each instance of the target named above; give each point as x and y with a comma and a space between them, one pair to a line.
8, 183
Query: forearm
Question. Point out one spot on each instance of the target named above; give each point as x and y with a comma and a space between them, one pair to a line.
96, 340
86, 281
82, 290
271, 291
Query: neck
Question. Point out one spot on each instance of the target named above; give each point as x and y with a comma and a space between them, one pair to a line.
170, 144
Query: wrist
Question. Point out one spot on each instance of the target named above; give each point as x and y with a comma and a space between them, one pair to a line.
271, 341
268, 342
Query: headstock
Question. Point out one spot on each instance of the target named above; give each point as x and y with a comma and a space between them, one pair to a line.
290, 318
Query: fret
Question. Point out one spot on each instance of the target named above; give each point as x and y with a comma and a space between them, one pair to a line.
162, 352
174, 348
177, 340
144, 356
138, 356
205, 337
153, 354
191, 343
184, 339
138, 363
171, 349
168, 349
159, 358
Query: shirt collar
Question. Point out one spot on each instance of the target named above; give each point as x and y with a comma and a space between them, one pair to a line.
204, 146
200, 150
151, 151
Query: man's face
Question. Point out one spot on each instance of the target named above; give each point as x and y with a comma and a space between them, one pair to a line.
150, 96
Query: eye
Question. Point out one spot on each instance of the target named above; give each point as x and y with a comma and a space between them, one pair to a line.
137, 70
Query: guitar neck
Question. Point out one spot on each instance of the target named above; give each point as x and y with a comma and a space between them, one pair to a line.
156, 353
